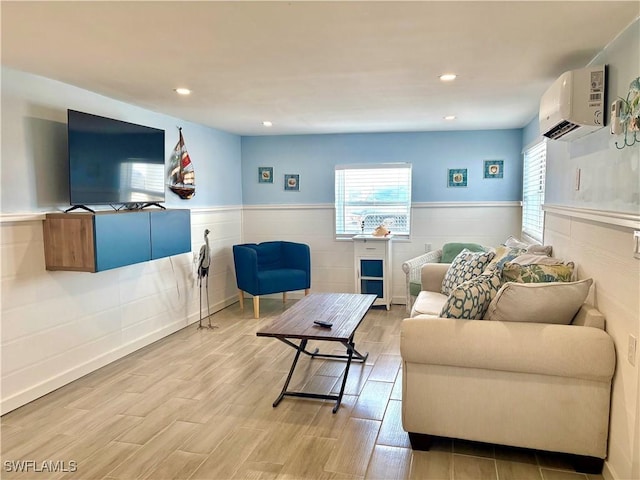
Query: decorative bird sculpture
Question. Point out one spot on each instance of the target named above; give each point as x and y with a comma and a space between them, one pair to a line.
204, 262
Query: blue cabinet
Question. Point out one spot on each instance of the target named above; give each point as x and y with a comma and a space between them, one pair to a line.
105, 240
121, 239
170, 232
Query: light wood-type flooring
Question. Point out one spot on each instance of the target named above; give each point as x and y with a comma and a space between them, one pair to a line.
198, 405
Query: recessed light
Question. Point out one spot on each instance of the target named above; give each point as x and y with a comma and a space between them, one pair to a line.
448, 77
182, 91
267, 123
450, 117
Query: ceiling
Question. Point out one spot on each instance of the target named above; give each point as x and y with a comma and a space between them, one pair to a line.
315, 67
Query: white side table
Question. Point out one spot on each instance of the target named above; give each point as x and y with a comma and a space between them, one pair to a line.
372, 257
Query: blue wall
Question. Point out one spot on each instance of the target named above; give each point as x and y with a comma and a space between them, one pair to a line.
431, 154
34, 145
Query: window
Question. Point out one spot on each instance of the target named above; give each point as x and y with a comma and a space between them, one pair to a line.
534, 172
370, 195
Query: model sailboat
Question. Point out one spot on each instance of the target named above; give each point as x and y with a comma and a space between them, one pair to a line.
182, 177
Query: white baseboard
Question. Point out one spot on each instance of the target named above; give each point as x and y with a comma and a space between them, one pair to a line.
36, 391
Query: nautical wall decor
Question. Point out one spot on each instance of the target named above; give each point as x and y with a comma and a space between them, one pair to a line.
182, 177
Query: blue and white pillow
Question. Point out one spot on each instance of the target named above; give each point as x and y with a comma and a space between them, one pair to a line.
466, 266
471, 299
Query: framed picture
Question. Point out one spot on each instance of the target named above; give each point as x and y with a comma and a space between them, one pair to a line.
292, 182
265, 174
493, 168
457, 177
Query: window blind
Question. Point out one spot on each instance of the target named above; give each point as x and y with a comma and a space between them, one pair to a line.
367, 196
534, 172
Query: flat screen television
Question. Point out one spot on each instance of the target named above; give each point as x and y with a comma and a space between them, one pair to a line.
114, 162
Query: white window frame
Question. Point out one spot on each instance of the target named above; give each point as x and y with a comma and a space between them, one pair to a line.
395, 213
534, 172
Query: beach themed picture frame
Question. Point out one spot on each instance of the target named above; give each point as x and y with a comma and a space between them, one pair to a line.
493, 168
292, 182
457, 177
265, 174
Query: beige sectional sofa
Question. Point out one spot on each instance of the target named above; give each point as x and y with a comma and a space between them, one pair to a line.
532, 384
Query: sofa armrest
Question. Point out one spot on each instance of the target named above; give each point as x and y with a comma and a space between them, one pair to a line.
432, 275
589, 316
536, 348
412, 269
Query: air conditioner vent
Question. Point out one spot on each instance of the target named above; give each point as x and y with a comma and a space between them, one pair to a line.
561, 129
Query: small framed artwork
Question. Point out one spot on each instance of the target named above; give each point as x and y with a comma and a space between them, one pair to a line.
292, 182
493, 168
457, 177
265, 174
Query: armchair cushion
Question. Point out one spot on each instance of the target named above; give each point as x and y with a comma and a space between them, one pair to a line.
465, 266
451, 250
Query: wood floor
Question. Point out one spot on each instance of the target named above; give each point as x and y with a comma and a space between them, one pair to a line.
198, 405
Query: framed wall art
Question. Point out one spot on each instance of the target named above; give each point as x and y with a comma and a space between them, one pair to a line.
493, 168
457, 177
292, 182
265, 174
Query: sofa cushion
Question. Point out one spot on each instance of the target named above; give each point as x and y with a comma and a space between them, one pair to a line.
465, 266
428, 303
451, 250
555, 302
537, 273
470, 299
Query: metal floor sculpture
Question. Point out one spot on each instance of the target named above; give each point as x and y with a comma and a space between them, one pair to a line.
204, 262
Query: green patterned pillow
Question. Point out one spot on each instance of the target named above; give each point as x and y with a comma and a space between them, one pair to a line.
465, 266
470, 299
537, 273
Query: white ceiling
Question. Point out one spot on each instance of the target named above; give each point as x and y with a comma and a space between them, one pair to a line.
315, 67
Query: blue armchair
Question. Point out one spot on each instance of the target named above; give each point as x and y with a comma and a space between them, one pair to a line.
271, 267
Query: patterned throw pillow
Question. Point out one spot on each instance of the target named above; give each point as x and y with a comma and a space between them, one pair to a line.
465, 266
470, 299
503, 255
537, 273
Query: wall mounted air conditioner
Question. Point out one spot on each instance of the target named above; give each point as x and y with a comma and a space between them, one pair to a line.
574, 104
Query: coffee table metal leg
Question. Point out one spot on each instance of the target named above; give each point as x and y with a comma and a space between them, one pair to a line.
344, 380
301, 347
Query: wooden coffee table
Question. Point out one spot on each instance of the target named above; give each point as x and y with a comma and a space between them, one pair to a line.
344, 310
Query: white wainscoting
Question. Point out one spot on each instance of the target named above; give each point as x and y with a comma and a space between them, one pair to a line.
332, 260
602, 249
59, 326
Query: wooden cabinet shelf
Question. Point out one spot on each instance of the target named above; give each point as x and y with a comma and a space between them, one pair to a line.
93, 242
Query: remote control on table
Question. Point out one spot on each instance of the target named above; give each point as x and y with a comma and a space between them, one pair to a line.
323, 324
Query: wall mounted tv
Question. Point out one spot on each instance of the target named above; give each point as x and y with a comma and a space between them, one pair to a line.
114, 162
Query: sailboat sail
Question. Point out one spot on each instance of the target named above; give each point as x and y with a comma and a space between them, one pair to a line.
182, 177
